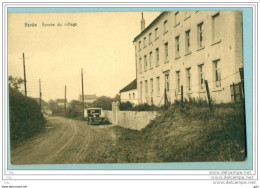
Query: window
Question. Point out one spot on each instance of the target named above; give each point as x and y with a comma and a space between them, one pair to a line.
150, 38
158, 85
200, 35
166, 52
187, 41
157, 56
129, 96
151, 60
140, 65
144, 42
141, 92
201, 77
216, 73
167, 82
146, 90
156, 33
177, 46
145, 63
215, 28
188, 77
133, 95
165, 26
176, 18
139, 45
178, 81
186, 14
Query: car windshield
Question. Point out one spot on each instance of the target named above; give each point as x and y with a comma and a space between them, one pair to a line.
94, 111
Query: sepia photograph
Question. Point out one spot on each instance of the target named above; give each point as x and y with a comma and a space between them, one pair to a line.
126, 87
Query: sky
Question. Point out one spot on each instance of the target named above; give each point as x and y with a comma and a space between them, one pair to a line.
100, 43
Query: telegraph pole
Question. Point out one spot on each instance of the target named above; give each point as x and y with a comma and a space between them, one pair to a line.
65, 100
40, 91
24, 75
82, 84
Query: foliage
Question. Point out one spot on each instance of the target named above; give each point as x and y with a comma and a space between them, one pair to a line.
54, 107
104, 102
15, 84
26, 118
74, 109
116, 98
127, 106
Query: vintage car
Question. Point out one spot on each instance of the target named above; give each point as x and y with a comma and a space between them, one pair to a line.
94, 115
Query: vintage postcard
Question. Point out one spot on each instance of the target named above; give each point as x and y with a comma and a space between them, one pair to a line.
126, 87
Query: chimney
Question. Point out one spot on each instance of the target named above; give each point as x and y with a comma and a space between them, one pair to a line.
142, 22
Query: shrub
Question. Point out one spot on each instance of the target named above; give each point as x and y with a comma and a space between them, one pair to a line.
126, 106
26, 118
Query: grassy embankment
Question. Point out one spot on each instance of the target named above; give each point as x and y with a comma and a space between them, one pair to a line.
188, 133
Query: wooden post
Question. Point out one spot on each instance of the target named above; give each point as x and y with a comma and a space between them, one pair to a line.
182, 95
65, 101
242, 79
240, 93
24, 75
234, 92
208, 94
40, 92
165, 99
82, 93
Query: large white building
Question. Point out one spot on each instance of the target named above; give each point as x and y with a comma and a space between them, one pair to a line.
185, 48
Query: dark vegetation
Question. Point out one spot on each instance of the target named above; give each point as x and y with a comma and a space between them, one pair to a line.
26, 118
127, 106
188, 132
75, 108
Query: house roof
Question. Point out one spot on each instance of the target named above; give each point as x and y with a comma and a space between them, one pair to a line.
89, 97
151, 24
60, 100
131, 86
44, 103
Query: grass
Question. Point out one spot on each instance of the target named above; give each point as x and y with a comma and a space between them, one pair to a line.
184, 133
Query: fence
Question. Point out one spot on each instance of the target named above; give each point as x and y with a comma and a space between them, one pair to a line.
237, 93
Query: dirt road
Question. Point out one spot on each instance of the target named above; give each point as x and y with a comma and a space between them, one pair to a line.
65, 141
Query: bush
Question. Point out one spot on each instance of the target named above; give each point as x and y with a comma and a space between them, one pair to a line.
126, 106
26, 118
145, 107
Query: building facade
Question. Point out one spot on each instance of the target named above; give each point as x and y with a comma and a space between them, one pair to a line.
129, 93
182, 49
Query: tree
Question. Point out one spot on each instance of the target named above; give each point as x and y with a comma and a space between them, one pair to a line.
117, 98
15, 84
54, 106
74, 109
103, 102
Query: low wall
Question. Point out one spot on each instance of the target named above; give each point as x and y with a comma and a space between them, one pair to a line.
131, 119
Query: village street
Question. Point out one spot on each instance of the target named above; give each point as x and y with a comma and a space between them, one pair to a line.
65, 141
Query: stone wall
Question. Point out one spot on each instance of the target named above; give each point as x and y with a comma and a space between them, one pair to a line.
131, 119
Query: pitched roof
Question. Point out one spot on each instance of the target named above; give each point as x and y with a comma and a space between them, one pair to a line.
88, 97
131, 86
60, 100
38, 101
151, 24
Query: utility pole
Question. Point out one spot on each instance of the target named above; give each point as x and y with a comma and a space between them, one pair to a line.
65, 101
40, 91
24, 75
82, 93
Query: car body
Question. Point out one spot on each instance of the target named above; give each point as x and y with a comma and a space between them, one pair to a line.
94, 115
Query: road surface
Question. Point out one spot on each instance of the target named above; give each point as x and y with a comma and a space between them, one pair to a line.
65, 141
